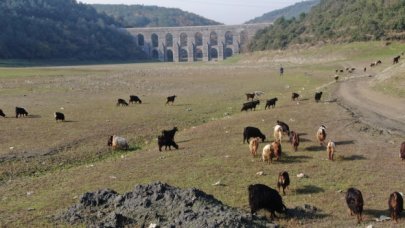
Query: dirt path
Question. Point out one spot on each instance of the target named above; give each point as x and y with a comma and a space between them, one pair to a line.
376, 109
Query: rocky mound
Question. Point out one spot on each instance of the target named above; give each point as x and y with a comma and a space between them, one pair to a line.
159, 204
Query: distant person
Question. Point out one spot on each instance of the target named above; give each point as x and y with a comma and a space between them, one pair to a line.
281, 71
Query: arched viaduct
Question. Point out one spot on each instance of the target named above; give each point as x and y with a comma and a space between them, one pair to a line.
194, 43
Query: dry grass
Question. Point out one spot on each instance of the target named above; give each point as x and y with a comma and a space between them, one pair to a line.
208, 115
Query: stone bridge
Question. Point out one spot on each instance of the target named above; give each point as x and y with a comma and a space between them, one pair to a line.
194, 43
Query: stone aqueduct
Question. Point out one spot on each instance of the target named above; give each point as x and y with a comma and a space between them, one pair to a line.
194, 43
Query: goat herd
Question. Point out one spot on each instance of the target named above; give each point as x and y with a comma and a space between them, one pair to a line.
262, 196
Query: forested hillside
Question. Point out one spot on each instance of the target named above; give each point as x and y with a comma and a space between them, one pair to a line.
287, 12
60, 29
152, 16
337, 21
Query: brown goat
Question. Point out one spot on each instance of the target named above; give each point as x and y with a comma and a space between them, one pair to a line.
395, 205
253, 146
295, 140
331, 149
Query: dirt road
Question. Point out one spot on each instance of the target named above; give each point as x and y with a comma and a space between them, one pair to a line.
376, 109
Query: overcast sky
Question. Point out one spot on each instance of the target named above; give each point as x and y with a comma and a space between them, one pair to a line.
229, 12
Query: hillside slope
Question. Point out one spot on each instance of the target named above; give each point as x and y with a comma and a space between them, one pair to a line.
60, 29
152, 16
287, 12
337, 21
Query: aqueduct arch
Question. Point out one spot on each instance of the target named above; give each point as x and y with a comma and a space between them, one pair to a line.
194, 43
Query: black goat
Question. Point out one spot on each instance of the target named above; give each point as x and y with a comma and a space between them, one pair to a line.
252, 132
171, 99
271, 103
2, 113
250, 105
167, 142
354, 200
20, 112
134, 99
264, 197
170, 133
395, 205
318, 96
121, 102
59, 116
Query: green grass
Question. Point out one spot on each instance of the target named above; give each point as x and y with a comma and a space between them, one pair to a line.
207, 112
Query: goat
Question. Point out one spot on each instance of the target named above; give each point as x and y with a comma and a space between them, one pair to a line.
283, 181
402, 151
171, 99
121, 102
396, 59
117, 142
170, 133
134, 99
278, 133
250, 105
167, 142
295, 96
250, 96
2, 113
252, 132
395, 205
295, 140
253, 146
59, 116
20, 112
355, 202
330, 148
264, 197
321, 134
271, 103
318, 96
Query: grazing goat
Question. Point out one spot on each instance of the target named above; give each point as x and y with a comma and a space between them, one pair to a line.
372, 64
134, 99
354, 200
378, 62
365, 69
250, 96
20, 112
121, 102
271, 103
395, 205
278, 133
318, 96
171, 99
396, 59
170, 133
250, 105
402, 151
283, 181
286, 128
253, 146
2, 113
330, 148
336, 78
252, 132
264, 197
295, 96
295, 140
321, 134
270, 151
59, 116
117, 142
167, 142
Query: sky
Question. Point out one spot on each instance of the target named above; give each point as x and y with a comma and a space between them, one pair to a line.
229, 12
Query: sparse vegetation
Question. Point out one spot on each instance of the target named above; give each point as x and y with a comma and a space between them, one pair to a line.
40, 181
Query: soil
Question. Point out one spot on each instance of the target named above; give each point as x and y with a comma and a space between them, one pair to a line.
157, 205
373, 108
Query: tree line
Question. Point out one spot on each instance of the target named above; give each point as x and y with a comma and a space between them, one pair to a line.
336, 21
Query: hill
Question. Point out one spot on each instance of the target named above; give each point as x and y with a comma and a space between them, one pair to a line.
152, 16
337, 21
61, 29
287, 12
